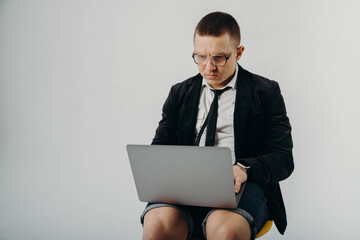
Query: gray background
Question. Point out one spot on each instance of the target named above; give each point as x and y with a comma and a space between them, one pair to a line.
81, 79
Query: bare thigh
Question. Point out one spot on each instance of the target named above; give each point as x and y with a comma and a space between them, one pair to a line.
222, 224
164, 223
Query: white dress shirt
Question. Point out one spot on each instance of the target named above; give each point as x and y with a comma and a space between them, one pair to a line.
224, 136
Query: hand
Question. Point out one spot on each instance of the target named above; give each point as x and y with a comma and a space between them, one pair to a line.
240, 176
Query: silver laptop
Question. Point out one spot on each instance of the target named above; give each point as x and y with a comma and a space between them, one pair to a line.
186, 175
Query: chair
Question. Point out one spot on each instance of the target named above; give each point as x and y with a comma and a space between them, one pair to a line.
265, 228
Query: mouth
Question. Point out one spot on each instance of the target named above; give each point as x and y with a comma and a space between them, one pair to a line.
211, 76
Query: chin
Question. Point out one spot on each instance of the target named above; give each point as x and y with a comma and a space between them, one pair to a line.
214, 83
214, 79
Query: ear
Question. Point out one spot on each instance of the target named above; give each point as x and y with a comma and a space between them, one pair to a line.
239, 52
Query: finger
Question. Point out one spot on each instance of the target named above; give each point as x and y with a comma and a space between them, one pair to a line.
237, 185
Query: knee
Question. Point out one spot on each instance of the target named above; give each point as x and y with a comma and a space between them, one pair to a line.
164, 223
153, 227
222, 231
220, 228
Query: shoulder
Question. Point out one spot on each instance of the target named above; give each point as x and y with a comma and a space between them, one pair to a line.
179, 91
259, 82
187, 84
260, 87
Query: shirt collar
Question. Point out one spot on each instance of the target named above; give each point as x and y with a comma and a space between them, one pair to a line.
231, 84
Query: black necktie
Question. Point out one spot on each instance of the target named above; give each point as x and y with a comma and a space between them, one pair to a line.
211, 120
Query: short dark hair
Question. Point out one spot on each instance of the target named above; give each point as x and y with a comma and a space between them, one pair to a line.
217, 24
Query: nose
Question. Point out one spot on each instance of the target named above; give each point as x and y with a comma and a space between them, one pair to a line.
210, 66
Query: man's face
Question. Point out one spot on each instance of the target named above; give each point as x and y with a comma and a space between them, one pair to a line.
217, 76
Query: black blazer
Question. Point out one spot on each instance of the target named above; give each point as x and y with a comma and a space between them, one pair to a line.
261, 129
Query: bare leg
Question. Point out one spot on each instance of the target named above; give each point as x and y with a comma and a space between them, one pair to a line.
164, 223
222, 224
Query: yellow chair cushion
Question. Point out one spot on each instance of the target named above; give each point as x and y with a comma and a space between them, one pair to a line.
265, 228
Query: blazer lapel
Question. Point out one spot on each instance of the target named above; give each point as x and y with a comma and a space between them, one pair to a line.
244, 93
189, 111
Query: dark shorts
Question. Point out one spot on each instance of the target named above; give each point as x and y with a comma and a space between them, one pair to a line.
252, 206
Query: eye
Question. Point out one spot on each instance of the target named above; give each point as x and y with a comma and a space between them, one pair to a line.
201, 57
218, 58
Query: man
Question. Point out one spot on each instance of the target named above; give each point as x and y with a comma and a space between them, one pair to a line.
250, 119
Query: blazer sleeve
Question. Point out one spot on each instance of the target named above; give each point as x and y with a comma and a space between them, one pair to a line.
166, 133
276, 163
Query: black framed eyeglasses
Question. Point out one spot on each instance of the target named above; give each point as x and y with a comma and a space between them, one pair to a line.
217, 60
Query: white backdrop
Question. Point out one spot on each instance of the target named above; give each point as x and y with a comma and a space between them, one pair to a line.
81, 79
